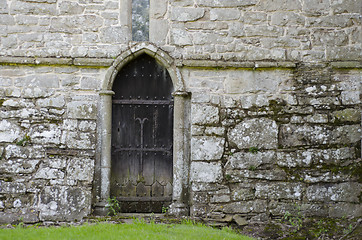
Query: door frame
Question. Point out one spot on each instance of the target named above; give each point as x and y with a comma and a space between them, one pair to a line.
181, 131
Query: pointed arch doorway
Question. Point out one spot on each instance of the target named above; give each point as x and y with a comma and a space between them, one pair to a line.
142, 137
181, 129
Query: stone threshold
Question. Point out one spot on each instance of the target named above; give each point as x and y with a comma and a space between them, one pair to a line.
107, 62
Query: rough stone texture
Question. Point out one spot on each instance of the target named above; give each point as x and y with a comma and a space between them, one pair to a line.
279, 191
205, 172
63, 203
241, 160
318, 135
96, 30
207, 148
259, 133
47, 142
204, 114
275, 104
343, 192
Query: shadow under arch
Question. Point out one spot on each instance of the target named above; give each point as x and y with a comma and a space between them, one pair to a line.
181, 131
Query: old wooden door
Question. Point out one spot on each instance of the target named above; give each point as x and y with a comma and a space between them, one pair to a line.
142, 136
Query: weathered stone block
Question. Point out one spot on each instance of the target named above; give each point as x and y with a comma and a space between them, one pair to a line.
342, 210
45, 134
78, 140
248, 81
242, 194
158, 31
34, 7
348, 82
37, 92
49, 173
317, 118
217, 131
305, 158
226, 3
255, 206
324, 176
220, 199
39, 81
277, 5
316, 7
346, 6
339, 20
4, 8
280, 42
204, 114
9, 131
207, 148
87, 126
248, 101
281, 190
89, 83
319, 103
205, 38
6, 20
114, 34
242, 160
12, 187
80, 169
205, 172
293, 135
29, 152
56, 102
17, 103
254, 18
70, 8
197, 130
186, 14
12, 92
158, 9
350, 97
180, 37
5, 82
287, 19
278, 208
26, 216
347, 53
210, 187
346, 192
261, 133
223, 14
200, 197
263, 31
238, 176
329, 38
346, 115
241, 221
82, 110
64, 203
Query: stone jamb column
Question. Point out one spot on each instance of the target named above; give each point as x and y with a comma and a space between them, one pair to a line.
105, 121
181, 155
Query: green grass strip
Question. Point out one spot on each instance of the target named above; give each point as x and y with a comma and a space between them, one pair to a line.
137, 230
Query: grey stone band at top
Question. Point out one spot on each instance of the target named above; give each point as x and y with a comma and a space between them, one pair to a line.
106, 62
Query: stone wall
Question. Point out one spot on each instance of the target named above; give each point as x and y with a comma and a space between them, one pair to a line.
47, 141
238, 30
275, 103
267, 141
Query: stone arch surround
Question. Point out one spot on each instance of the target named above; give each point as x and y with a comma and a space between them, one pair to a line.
181, 141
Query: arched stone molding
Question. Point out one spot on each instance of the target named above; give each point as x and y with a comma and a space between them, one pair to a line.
181, 139
144, 48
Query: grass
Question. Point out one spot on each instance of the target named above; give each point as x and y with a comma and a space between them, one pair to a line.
137, 230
